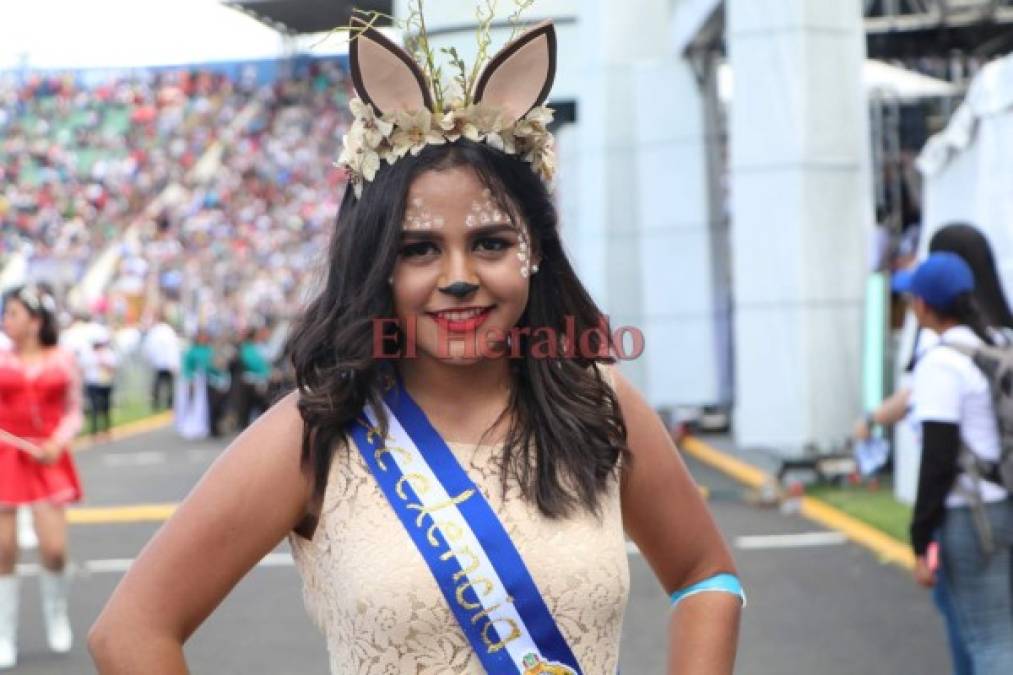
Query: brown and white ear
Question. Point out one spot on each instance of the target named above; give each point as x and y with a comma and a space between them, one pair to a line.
384, 74
520, 75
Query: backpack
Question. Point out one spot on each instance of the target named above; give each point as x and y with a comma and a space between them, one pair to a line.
995, 361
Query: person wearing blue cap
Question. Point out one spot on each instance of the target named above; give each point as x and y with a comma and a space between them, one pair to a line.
973, 246
970, 244
953, 404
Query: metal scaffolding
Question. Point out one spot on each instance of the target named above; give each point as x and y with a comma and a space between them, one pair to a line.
915, 28
905, 15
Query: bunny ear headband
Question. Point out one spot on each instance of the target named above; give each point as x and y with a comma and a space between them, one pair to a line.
396, 112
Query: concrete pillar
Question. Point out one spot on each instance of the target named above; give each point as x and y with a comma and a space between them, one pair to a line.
644, 239
801, 210
678, 233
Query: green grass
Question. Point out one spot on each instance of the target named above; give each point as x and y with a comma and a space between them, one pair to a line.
130, 411
124, 412
877, 508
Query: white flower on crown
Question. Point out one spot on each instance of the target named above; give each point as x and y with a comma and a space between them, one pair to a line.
361, 160
461, 123
374, 129
413, 131
390, 137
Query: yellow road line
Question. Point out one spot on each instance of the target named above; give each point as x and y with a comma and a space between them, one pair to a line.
138, 513
886, 548
142, 426
883, 545
726, 464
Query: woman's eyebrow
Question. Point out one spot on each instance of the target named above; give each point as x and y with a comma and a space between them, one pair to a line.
492, 228
479, 230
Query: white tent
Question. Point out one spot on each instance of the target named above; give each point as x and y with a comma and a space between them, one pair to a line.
890, 81
880, 79
968, 167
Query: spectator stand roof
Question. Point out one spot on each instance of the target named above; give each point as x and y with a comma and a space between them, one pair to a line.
299, 17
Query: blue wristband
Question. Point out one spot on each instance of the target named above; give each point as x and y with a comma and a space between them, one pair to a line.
724, 583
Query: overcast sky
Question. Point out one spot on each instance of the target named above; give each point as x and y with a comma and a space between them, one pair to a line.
115, 33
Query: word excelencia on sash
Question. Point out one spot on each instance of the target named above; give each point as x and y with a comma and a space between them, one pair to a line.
451, 533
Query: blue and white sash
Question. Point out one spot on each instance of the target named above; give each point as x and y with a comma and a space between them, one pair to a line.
466, 547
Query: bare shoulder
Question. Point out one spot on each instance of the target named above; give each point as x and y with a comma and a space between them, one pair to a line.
283, 417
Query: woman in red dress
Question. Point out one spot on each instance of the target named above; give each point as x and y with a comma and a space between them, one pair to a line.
40, 413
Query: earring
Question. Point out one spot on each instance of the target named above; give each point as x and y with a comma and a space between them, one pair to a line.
390, 280
534, 268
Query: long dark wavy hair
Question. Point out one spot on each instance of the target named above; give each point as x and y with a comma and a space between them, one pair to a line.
970, 244
566, 437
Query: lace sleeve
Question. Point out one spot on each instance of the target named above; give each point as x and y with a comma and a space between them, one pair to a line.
72, 418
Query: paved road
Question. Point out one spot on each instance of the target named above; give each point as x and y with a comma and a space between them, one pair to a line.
829, 608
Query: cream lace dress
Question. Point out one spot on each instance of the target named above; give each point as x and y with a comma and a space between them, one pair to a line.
368, 589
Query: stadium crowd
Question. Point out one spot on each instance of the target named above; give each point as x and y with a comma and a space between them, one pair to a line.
79, 163
214, 194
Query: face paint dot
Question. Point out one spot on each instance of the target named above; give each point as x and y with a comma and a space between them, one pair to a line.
418, 218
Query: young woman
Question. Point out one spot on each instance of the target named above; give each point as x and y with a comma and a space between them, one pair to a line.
971, 245
953, 404
513, 469
40, 413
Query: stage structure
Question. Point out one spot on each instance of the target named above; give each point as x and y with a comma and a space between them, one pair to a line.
904, 29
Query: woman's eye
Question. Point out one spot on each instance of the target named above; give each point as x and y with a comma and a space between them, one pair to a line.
418, 249
492, 244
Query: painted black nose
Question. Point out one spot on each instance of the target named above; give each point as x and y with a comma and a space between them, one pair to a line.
459, 289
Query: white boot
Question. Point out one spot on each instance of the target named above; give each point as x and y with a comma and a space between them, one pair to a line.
27, 538
54, 587
8, 620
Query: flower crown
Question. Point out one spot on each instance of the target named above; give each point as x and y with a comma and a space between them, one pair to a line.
399, 110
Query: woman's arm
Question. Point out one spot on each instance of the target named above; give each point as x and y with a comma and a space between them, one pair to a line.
249, 499
938, 387
664, 513
889, 412
893, 409
72, 418
940, 447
